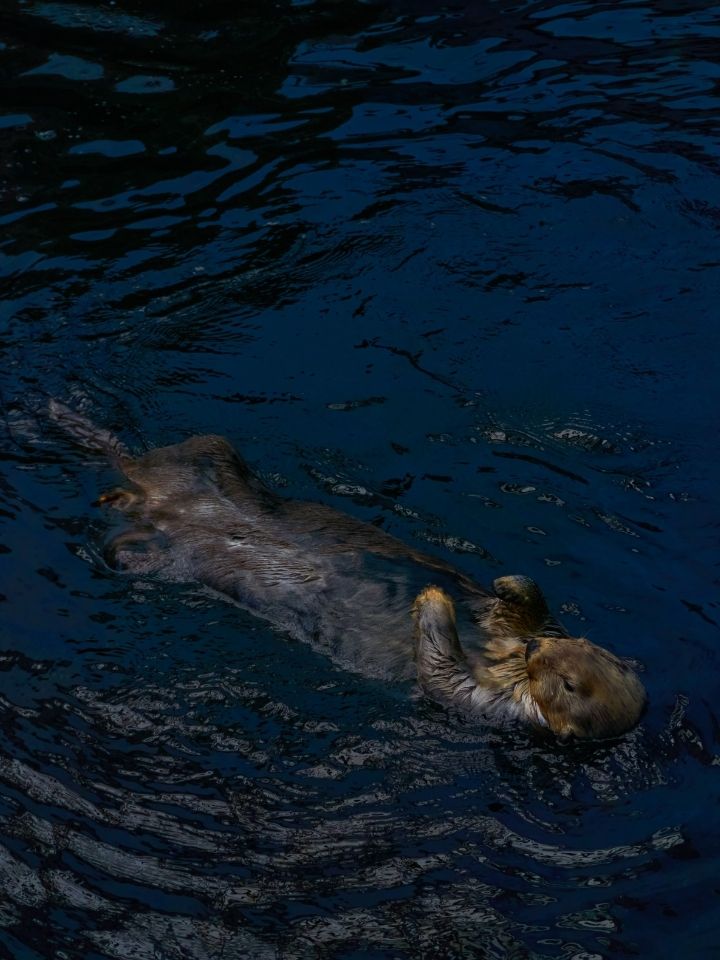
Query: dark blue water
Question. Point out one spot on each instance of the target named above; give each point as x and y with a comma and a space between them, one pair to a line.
453, 269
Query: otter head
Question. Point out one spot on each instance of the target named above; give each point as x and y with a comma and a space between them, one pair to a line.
582, 690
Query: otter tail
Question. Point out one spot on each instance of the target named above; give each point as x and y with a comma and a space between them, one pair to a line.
87, 435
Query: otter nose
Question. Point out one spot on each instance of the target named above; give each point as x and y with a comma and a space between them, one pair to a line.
531, 647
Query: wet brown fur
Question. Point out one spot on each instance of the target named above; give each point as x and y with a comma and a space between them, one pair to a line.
566, 684
196, 512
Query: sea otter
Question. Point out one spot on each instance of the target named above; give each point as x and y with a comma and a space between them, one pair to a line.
566, 684
196, 512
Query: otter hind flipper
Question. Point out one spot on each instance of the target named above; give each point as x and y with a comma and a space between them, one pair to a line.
87, 434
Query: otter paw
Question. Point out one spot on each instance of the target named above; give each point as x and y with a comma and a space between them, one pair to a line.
520, 610
438, 654
517, 589
436, 598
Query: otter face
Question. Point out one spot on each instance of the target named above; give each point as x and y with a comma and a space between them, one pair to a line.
582, 690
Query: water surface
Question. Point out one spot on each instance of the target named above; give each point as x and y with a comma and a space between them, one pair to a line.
453, 270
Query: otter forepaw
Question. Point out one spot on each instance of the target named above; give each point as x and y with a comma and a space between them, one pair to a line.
518, 589
436, 597
520, 609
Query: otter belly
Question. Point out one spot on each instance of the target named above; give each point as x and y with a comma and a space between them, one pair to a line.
351, 604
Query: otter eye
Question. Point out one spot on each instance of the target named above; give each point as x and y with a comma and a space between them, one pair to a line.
570, 687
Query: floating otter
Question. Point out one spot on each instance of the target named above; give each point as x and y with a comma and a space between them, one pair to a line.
196, 512
539, 676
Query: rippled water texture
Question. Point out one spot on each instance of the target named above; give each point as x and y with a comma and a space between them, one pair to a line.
454, 270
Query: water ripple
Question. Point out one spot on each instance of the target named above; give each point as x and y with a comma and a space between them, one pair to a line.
451, 270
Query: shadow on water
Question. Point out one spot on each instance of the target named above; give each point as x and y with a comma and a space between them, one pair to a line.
451, 269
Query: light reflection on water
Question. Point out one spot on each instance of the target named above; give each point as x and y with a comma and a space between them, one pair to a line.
453, 271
